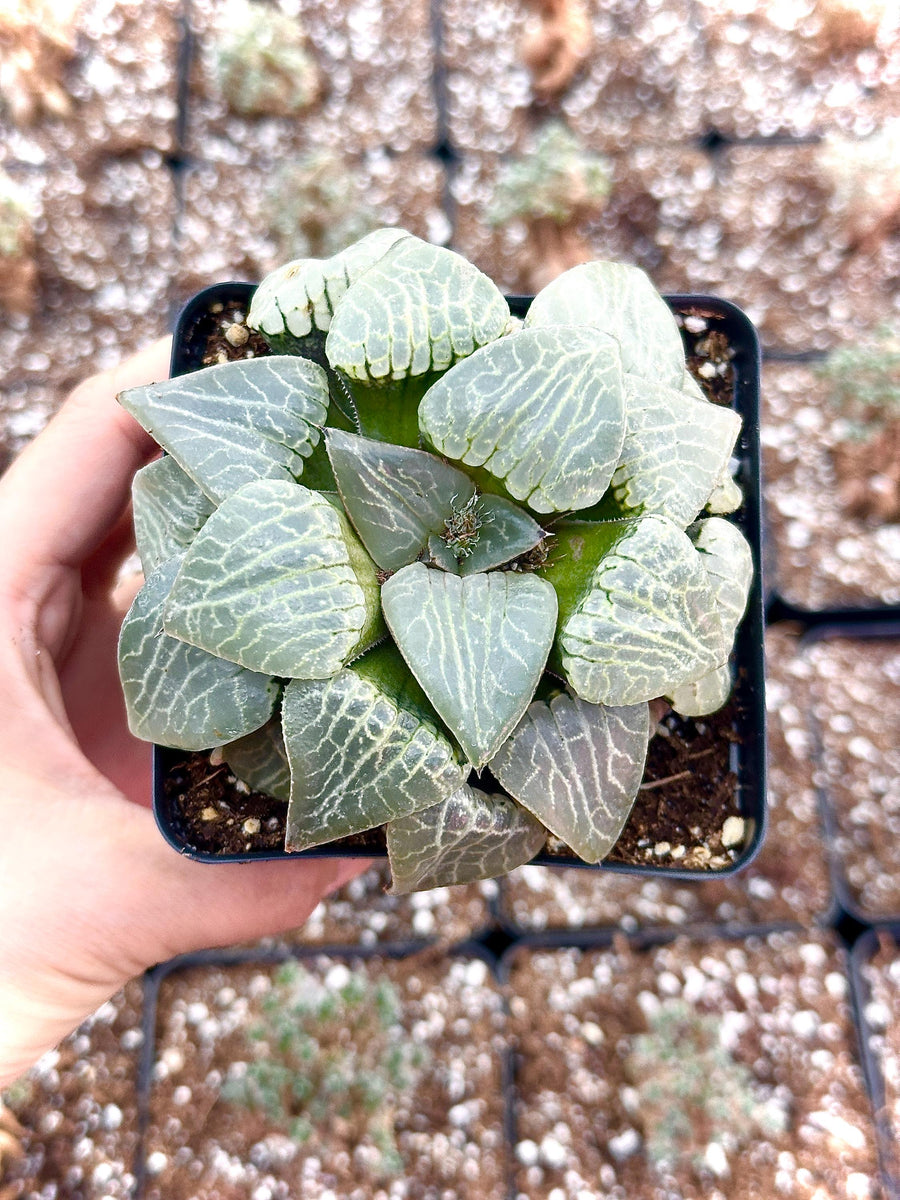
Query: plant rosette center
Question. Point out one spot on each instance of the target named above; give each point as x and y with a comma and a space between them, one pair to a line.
419, 540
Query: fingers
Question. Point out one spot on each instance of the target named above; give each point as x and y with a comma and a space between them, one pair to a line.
65, 492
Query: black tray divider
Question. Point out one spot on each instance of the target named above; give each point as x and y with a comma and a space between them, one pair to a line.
862, 953
858, 621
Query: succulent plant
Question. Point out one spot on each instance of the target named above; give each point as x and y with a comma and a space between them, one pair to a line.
553, 188
37, 40
329, 1048
318, 205
260, 61
421, 540
863, 379
557, 178
691, 1089
864, 174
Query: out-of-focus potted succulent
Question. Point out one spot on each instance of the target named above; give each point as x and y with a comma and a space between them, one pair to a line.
318, 205
864, 175
552, 188
260, 63
426, 566
19, 275
862, 384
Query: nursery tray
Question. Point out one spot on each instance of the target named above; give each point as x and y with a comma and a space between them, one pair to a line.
744, 717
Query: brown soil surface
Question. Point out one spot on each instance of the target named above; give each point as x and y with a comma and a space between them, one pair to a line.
824, 550
783, 1012
79, 1110
855, 685
687, 795
881, 1028
449, 1129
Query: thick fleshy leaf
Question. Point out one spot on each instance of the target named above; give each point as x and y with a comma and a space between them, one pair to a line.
260, 760
705, 695
297, 300
541, 411
675, 450
476, 645
394, 495
415, 311
506, 532
637, 614
277, 581
230, 424
176, 694
577, 767
169, 509
364, 747
620, 300
728, 561
726, 496
440, 555
471, 835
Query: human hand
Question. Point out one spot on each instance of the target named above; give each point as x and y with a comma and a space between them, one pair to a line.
90, 894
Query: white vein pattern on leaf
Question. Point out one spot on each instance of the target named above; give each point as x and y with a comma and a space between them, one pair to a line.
467, 836
185, 686
503, 408
379, 761
657, 631
239, 590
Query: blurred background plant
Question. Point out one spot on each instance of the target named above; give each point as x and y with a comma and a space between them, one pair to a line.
691, 1090
556, 45
18, 269
553, 187
37, 39
864, 174
848, 26
317, 206
260, 61
329, 1053
863, 384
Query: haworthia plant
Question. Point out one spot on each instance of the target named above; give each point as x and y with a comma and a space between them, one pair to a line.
477, 646
620, 300
270, 554
416, 542
297, 301
542, 413
470, 835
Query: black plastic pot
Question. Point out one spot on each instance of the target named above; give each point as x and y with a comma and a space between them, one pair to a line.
748, 749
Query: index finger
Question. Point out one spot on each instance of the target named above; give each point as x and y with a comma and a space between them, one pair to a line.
63, 494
